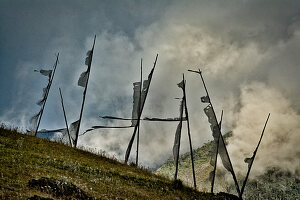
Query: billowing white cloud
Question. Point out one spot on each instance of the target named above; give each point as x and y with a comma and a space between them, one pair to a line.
279, 146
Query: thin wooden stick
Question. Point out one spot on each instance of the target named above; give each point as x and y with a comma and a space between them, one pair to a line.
222, 139
47, 92
189, 133
84, 94
253, 157
139, 117
63, 108
127, 154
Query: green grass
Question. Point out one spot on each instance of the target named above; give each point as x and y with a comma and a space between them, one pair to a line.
24, 158
202, 167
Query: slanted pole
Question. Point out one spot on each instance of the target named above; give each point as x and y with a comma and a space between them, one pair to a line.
253, 157
47, 92
63, 108
140, 113
222, 139
189, 133
139, 117
130, 144
84, 94
216, 158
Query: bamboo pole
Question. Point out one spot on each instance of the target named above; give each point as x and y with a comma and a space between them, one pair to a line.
253, 157
139, 117
216, 158
65, 117
47, 92
84, 94
143, 103
189, 133
222, 139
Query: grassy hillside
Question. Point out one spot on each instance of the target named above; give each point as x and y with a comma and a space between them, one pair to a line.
34, 168
274, 184
202, 167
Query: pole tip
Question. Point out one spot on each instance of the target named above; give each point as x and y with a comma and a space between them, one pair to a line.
94, 42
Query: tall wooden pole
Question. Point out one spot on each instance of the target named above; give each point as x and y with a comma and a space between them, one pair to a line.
142, 107
253, 157
189, 133
84, 94
47, 92
222, 139
177, 158
139, 117
63, 108
216, 158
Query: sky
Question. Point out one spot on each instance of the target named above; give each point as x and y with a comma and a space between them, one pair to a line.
248, 52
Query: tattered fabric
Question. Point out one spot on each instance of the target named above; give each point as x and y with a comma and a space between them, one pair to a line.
33, 122
45, 90
249, 161
64, 131
73, 129
181, 84
176, 145
146, 84
205, 99
47, 73
88, 59
82, 81
101, 127
136, 99
175, 119
41, 101
216, 134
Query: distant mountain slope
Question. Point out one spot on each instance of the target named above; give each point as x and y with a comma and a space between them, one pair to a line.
201, 157
274, 184
202, 167
35, 168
